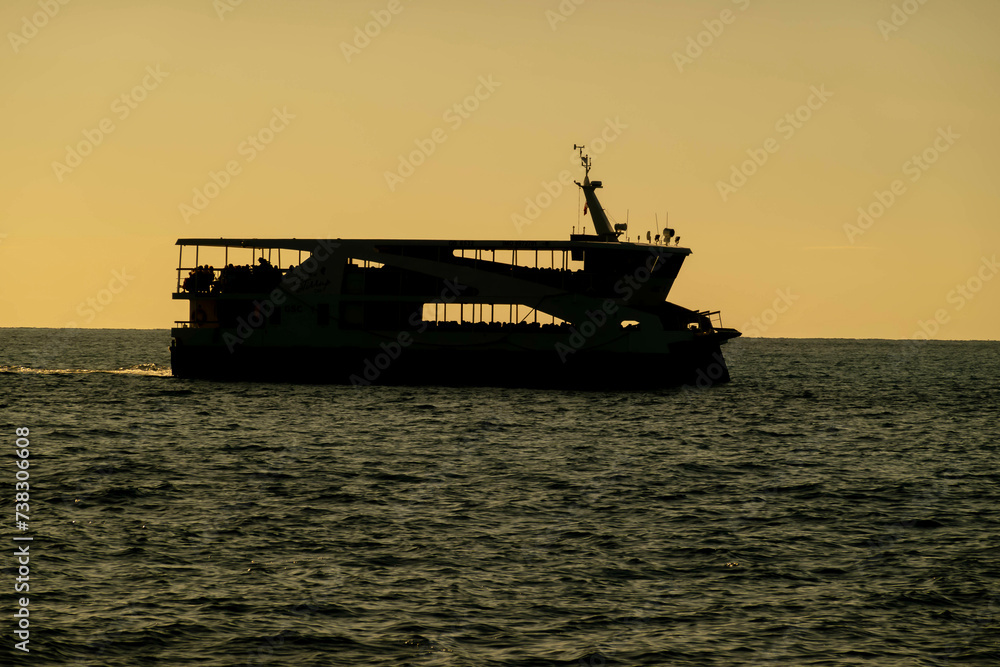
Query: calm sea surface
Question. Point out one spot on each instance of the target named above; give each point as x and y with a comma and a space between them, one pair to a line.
838, 503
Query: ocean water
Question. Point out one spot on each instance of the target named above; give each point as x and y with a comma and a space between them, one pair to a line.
835, 504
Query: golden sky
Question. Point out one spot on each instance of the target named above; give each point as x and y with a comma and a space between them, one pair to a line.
115, 112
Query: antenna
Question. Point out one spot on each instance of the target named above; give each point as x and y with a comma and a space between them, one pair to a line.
585, 160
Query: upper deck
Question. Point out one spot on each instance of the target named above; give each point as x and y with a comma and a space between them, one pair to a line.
581, 263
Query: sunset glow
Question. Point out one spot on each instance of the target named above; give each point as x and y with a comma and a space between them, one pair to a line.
831, 165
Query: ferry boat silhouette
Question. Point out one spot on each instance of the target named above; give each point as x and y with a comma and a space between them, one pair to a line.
589, 313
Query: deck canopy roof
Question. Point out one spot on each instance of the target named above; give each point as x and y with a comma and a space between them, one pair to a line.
578, 241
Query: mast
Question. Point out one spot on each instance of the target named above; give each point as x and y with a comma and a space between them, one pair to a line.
601, 223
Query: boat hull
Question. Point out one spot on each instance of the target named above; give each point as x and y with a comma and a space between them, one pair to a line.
698, 363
